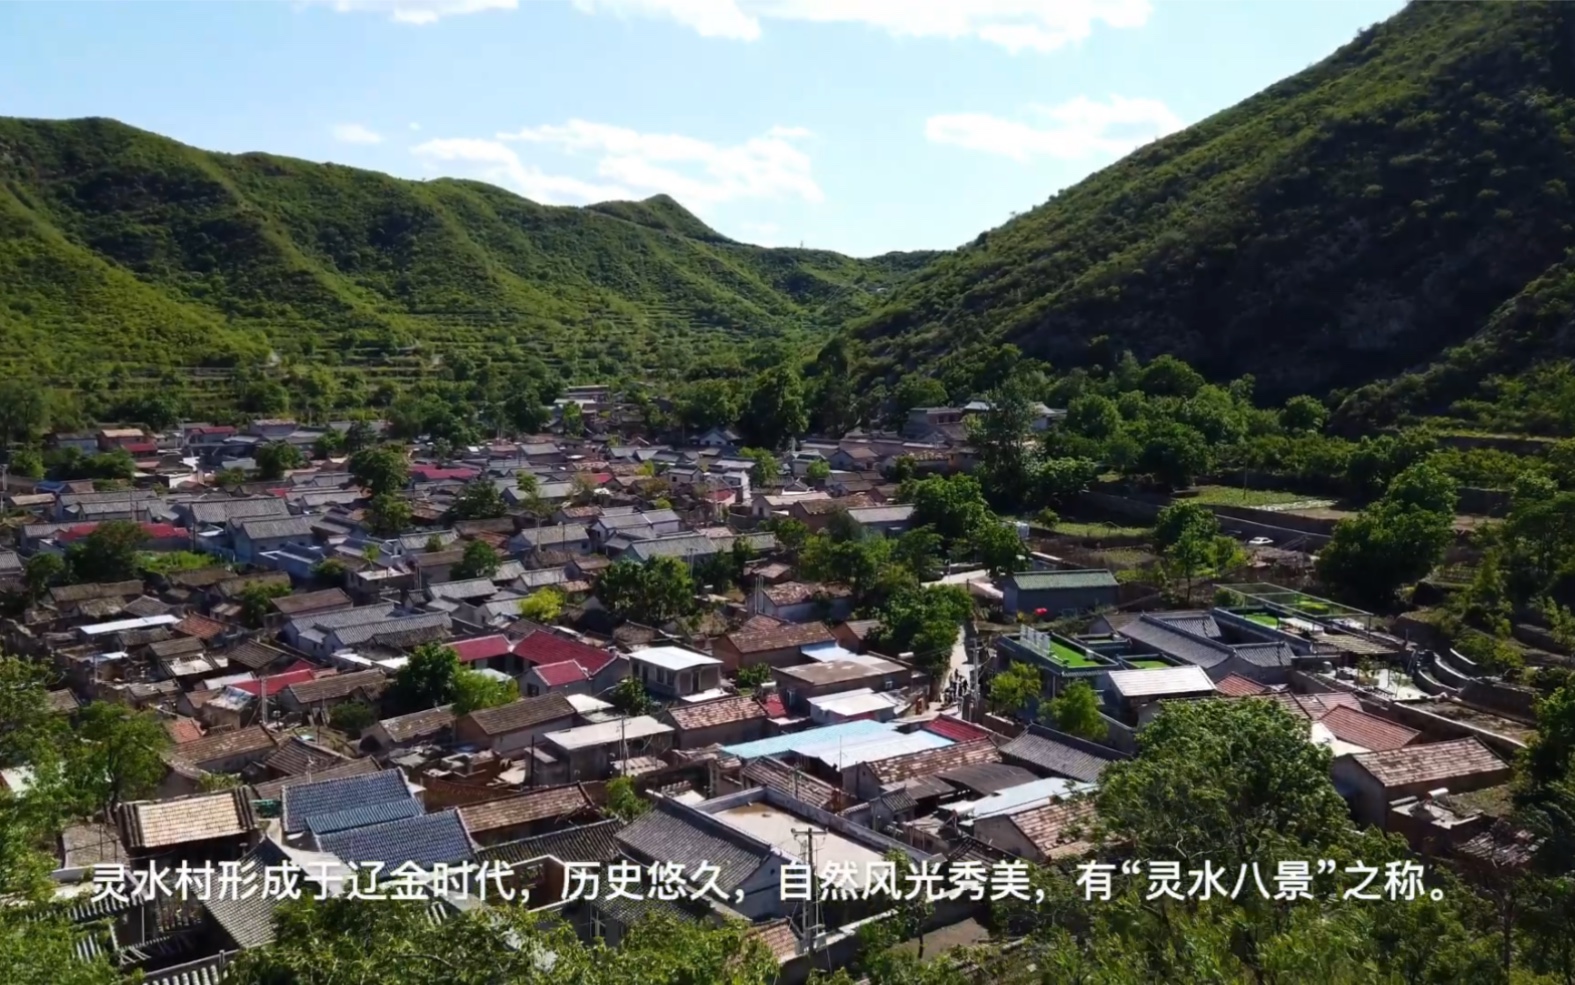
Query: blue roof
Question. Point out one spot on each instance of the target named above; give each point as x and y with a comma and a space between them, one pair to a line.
307, 800
361, 817
428, 839
779, 744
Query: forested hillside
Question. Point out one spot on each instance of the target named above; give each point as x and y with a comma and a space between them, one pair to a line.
1409, 194
120, 246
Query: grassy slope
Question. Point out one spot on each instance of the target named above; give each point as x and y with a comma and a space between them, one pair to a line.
120, 245
1349, 223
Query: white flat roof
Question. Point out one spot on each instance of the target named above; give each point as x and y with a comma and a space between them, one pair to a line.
673, 658
1159, 681
585, 704
776, 827
853, 702
606, 733
122, 625
822, 652
703, 696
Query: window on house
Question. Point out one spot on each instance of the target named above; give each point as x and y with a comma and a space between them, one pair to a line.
598, 928
532, 690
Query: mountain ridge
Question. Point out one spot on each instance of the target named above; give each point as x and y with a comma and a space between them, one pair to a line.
1361, 220
123, 246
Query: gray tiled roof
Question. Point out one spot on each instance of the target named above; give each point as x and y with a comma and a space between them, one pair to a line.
346, 617
635, 520
1060, 754
304, 801
470, 588
205, 971
248, 919
217, 512
681, 545
668, 834
351, 635
1171, 641
428, 839
1196, 623
587, 843
1265, 654
293, 526
362, 817
274, 789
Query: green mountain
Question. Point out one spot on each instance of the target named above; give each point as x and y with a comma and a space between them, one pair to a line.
122, 248
1408, 195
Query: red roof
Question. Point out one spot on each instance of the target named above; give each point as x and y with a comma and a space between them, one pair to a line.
542, 647
562, 673
276, 682
155, 531
140, 447
774, 706
432, 473
1239, 687
211, 429
481, 648
956, 729
200, 626
1367, 731
182, 729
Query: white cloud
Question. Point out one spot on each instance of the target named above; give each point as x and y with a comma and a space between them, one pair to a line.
696, 172
415, 126
1077, 129
417, 11
355, 133
494, 162
1016, 25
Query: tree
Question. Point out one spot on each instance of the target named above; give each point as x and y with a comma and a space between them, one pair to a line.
480, 560
774, 410
1093, 416
256, 602
1168, 376
818, 471
572, 417
657, 592
1178, 520
328, 444
1173, 453
360, 435
276, 458
478, 500
525, 412
1225, 780
388, 514
427, 679
707, 404
28, 463
117, 756
767, 470
1383, 547
352, 717
1000, 440
231, 478
472, 690
350, 940
544, 605
953, 506
109, 553
623, 801
1303, 415
1076, 712
22, 409
996, 544
1013, 688
917, 391
381, 470
629, 697
1189, 537
924, 621
41, 572
752, 677
790, 533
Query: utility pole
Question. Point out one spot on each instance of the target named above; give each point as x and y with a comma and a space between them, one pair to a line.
812, 907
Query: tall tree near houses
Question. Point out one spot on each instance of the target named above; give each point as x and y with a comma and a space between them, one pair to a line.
774, 410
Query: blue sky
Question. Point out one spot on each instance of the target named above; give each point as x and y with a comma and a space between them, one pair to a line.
855, 125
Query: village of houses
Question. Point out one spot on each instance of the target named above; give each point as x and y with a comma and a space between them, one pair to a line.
844, 752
